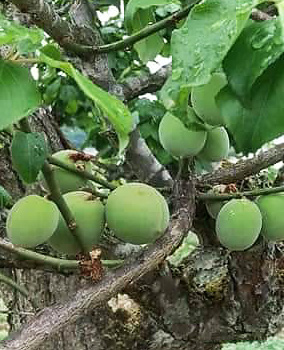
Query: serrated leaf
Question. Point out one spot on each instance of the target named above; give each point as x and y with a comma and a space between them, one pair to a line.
115, 110
259, 45
29, 152
19, 96
262, 120
138, 14
5, 198
26, 39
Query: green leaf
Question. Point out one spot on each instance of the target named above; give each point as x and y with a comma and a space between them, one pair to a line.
5, 198
29, 152
116, 112
262, 120
259, 45
138, 14
52, 51
280, 8
149, 47
19, 96
134, 5
200, 45
26, 39
202, 42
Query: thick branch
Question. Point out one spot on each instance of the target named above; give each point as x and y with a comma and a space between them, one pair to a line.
243, 168
144, 164
52, 319
45, 17
146, 83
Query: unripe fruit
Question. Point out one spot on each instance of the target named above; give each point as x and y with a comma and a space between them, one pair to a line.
32, 221
216, 146
238, 224
137, 213
271, 207
203, 99
69, 181
89, 216
179, 141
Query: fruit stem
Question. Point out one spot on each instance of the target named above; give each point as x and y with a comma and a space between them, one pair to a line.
10, 282
253, 193
55, 193
83, 173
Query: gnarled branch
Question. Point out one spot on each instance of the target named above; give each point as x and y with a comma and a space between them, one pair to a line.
243, 168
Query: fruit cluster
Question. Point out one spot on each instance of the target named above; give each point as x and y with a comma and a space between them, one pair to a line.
210, 143
136, 213
239, 222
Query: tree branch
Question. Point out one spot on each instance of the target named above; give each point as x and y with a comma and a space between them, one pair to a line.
34, 259
52, 319
146, 83
225, 196
243, 168
83, 173
147, 31
144, 164
45, 17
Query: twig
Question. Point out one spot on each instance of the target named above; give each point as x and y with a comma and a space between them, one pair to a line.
56, 263
147, 31
253, 193
83, 173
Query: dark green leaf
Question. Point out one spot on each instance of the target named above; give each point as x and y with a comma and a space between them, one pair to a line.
29, 152
5, 198
258, 46
262, 120
19, 96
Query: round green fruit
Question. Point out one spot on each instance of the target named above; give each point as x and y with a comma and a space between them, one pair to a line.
89, 216
203, 99
238, 224
179, 141
32, 221
68, 181
271, 207
137, 213
216, 146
